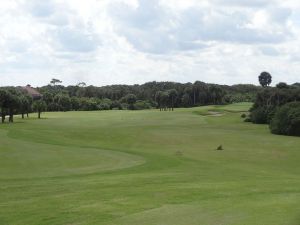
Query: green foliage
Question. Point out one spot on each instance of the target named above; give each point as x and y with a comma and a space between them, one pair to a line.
186, 100
173, 94
63, 102
124, 106
163, 95
129, 99
3, 96
116, 105
39, 106
282, 85
265, 79
55, 81
216, 94
75, 103
248, 120
269, 99
277, 107
287, 120
262, 115
140, 105
239, 97
25, 104
89, 104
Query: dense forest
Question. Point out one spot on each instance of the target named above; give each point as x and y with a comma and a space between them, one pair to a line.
161, 95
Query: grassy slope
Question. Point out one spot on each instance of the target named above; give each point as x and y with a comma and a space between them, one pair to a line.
122, 167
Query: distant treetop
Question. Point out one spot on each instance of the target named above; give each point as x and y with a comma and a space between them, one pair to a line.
55, 81
265, 79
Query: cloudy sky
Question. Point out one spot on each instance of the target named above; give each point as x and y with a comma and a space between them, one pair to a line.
104, 42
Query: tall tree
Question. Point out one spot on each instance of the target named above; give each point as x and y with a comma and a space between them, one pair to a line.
39, 106
188, 94
130, 100
75, 102
81, 84
55, 81
3, 100
165, 100
63, 101
24, 105
158, 99
13, 103
48, 97
216, 94
199, 92
265, 79
172, 97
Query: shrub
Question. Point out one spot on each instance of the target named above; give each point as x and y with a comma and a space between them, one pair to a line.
116, 105
139, 105
124, 106
287, 120
262, 115
104, 106
259, 116
243, 115
248, 120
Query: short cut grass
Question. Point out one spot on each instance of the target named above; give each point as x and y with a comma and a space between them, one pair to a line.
148, 168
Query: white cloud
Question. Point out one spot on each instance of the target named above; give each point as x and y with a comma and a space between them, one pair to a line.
134, 41
245, 3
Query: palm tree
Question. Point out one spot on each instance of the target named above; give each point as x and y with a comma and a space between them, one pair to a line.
39, 106
265, 79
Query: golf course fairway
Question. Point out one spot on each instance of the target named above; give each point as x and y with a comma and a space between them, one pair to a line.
148, 168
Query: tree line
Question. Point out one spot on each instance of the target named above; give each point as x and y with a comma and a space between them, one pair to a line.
277, 106
80, 97
161, 95
17, 101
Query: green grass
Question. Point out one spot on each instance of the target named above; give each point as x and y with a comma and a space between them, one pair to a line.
123, 168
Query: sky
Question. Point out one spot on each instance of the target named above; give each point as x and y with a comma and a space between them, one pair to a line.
103, 42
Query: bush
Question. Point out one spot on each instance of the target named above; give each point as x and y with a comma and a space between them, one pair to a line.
116, 105
88, 104
248, 120
124, 106
287, 120
243, 115
259, 116
262, 115
104, 106
139, 105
